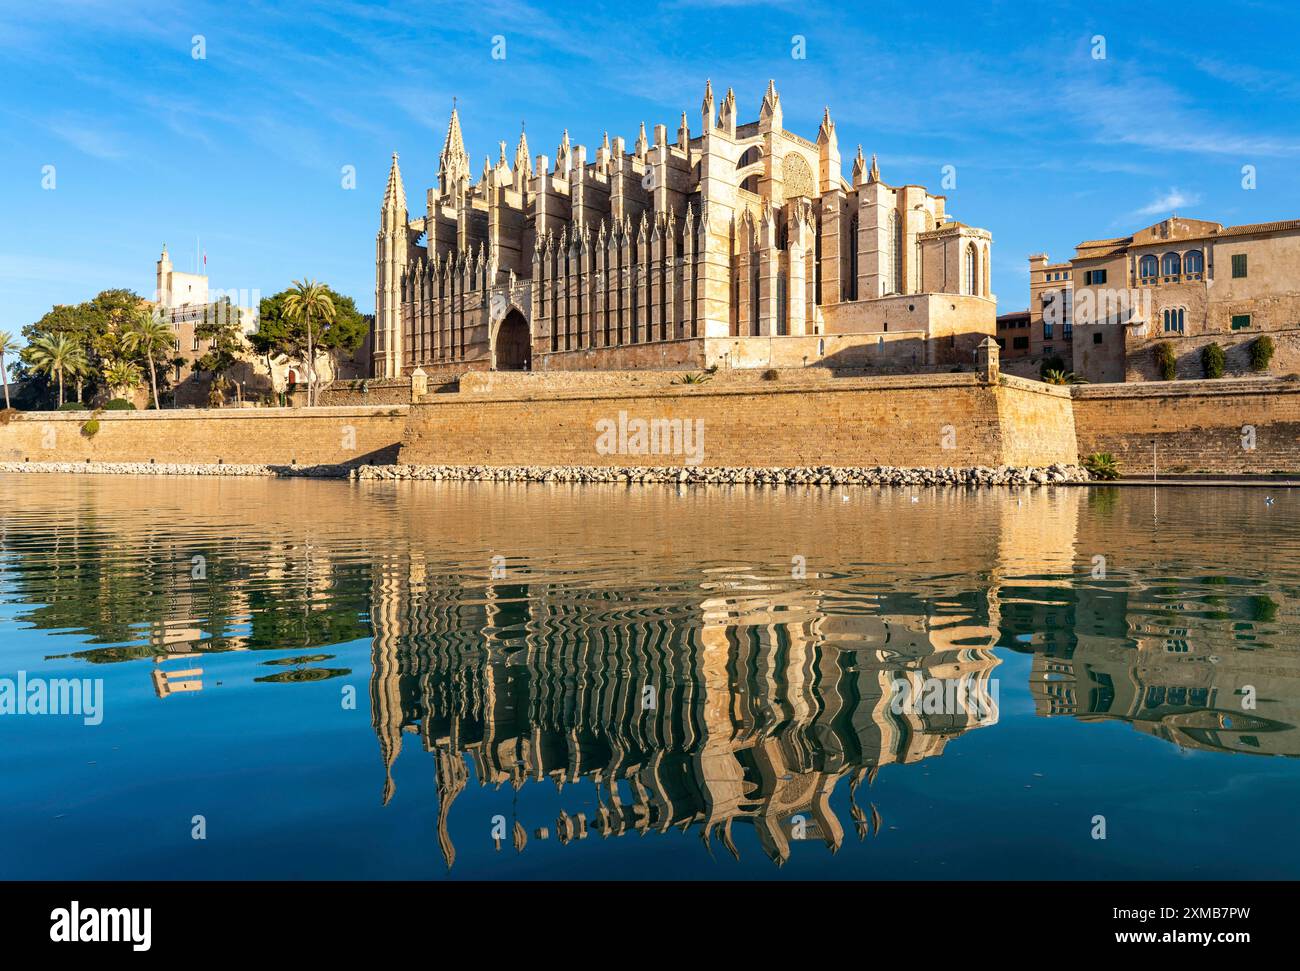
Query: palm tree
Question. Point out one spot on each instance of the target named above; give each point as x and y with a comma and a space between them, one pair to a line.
1063, 377
56, 355
307, 303
123, 377
150, 334
7, 346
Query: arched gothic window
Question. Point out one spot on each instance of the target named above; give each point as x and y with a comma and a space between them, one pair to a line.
972, 268
1171, 264
1194, 262
1147, 267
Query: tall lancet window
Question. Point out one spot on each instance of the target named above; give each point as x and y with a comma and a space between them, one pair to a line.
895, 253
851, 284
971, 270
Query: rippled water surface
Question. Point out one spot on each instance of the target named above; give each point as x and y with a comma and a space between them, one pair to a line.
442, 680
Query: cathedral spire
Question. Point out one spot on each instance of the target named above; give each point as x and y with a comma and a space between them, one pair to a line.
707, 109
771, 107
562, 153
453, 163
826, 134
859, 167
727, 113
394, 193
874, 174
523, 161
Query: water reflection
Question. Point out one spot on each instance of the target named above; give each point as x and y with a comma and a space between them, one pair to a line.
700, 659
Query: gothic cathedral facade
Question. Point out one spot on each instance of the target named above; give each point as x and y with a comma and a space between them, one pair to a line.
740, 246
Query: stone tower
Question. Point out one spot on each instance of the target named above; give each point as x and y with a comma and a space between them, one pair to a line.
391, 246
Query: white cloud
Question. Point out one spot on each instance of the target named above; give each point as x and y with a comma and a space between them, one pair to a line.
1171, 201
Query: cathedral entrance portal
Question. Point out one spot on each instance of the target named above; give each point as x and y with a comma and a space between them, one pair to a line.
513, 351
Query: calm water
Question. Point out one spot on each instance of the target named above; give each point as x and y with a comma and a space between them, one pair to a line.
447, 681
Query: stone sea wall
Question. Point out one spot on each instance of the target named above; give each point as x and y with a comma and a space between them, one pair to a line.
936, 421
792, 421
246, 436
1229, 426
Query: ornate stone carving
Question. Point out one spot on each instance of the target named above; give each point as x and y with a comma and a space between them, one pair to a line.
797, 176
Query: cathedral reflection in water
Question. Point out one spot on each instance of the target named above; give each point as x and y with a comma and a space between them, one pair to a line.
750, 704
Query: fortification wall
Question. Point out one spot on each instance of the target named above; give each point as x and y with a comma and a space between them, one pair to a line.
249, 436
934, 420
1225, 426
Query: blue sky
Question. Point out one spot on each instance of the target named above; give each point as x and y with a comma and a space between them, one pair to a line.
244, 149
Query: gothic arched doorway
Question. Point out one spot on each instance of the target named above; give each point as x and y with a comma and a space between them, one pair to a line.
513, 351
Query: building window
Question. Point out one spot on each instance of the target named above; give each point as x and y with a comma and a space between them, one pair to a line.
1239, 266
1094, 277
1020, 343
1096, 338
1047, 331
1067, 330
1194, 263
1240, 321
1174, 320
970, 269
1171, 264
1147, 268
1047, 349
194, 345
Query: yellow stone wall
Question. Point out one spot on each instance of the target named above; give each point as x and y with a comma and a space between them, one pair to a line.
272, 436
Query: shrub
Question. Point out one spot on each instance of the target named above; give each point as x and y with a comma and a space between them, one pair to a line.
1166, 361
1063, 377
119, 404
72, 406
693, 378
90, 428
8, 414
1212, 361
1102, 465
1053, 363
1261, 353
771, 374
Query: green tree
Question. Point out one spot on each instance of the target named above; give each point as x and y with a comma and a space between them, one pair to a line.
95, 325
310, 305
7, 346
148, 334
56, 355
123, 377
222, 329
280, 333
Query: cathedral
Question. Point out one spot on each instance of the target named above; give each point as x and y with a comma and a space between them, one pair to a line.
742, 245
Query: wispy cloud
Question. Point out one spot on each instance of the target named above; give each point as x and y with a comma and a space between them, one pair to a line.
88, 139
1171, 201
